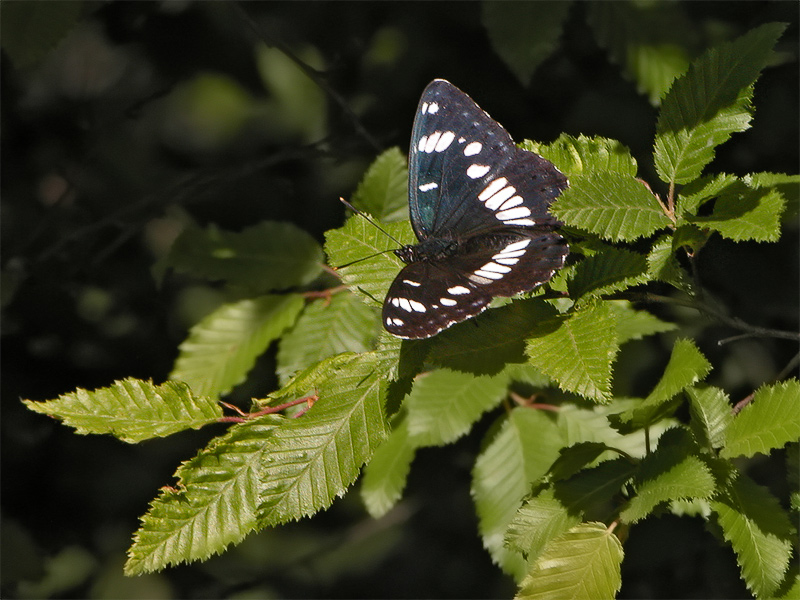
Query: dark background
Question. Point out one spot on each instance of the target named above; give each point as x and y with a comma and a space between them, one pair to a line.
109, 142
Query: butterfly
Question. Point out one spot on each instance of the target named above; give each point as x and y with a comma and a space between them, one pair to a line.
479, 208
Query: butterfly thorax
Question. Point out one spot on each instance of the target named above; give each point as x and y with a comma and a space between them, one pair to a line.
428, 250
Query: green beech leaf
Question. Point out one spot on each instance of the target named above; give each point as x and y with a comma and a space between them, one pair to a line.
769, 422
635, 324
701, 190
443, 405
519, 452
608, 271
759, 531
583, 155
328, 326
669, 473
650, 41
222, 348
254, 260
746, 214
662, 265
213, 505
614, 206
787, 185
358, 240
539, 521
493, 339
383, 191
524, 34
579, 354
583, 563
710, 410
709, 103
132, 410
385, 475
315, 458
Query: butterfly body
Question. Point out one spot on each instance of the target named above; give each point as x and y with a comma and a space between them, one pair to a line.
478, 205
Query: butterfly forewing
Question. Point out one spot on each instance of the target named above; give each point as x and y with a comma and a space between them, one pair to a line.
479, 207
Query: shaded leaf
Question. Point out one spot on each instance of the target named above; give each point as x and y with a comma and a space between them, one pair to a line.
583, 155
635, 324
746, 214
132, 410
609, 271
383, 191
710, 411
385, 475
223, 347
30, 30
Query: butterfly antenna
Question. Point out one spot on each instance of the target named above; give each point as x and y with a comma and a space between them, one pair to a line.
370, 220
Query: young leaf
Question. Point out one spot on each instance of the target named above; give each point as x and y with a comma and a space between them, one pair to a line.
444, 404
583, 563
649, 41
608, 271
769, 422
132, 410
255, 260
356, 245
669, 473
383, 191
711, 102
583, 155
710, 411
746, 214
503, 473
213, 505
759, 531
385, 475
223, 347
314, 458
615, 207
524, 34
487, 343
326, 327
580, 352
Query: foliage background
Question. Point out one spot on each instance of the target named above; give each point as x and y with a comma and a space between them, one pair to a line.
136, 115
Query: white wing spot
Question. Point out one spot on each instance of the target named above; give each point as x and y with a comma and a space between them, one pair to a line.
511, 202
477, 171
432, 141
424, 108
517, 246
422, 141
394, 321
494, 268
412, 283
426, 187
475, 278
417, 306
472, 149
395, 302
491, 189
461, 140
405, 304
505, 261
505, 254
528, 222
489, 274
445, 141
495, 201
433, 108
459, 289
448, 301
513, 213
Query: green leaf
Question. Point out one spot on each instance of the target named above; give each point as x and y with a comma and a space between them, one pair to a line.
487, 343
614, 206
635, 324
769, 422
314, 458
223, 347
327, 327
583, 563
213, 505
386, 474
132, 410
746, 214
662, 265
759, 531
383, 191
787, 185
540, 520
583, 155
579, 354
608, 271
254, 260
710, 411
709, 103
30, 30
686, 366
357, 245
524, 34
443, 405
649, 40
668, 474
701, 190
520, 452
